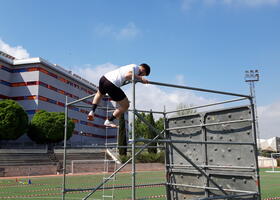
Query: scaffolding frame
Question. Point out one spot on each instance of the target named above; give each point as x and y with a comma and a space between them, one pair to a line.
135, 112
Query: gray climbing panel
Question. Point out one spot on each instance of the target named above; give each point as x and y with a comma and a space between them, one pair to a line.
212, 154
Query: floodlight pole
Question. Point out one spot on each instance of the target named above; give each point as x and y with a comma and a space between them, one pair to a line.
252, 76
133, 191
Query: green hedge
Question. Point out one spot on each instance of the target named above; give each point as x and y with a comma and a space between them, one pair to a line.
145, 157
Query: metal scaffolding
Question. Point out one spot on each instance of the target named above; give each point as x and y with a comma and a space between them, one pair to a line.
169, 143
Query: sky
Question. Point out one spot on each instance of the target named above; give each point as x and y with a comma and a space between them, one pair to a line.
199, 43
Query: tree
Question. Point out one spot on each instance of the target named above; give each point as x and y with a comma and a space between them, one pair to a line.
150, 134
122, 140
140, 127
13, 120
181, 106
160, 124
48, 127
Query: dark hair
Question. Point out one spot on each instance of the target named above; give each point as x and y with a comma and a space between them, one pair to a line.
147, 68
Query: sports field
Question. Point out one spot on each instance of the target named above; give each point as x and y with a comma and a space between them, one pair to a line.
50, 187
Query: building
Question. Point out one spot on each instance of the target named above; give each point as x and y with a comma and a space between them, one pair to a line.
271, 144
37, 84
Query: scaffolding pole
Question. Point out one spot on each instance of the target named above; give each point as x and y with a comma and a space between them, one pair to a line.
64, 149
133, 189
199, 89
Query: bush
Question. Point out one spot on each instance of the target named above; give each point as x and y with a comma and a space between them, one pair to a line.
145, 157
13, 120
265, 153
124, 158
48, 127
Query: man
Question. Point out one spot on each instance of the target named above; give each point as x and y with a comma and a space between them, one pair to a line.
111, 82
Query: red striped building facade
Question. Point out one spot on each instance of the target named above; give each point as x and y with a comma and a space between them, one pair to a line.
37, 84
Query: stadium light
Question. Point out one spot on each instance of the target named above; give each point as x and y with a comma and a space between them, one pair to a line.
252, 75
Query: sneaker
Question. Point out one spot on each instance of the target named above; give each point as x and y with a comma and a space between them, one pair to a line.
112, 124
90, 116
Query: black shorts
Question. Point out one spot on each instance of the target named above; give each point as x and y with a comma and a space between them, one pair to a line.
105, 86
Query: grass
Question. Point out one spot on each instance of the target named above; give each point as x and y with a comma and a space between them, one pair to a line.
50, 187
270, 183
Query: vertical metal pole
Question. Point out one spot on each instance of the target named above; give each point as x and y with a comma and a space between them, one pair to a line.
271, 155
253, 95
205, 146
255, 146
166, 157
64, 152
133, 195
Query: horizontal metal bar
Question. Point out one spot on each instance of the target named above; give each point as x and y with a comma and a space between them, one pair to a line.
198, 89
195, 142
122, 147
233, 196
146, 111
210, 188
229, 122
108, 146
115, 187
83, 106
212, 104
113, 108
212, 166
79, 100
185, 127
98, 107
209, 124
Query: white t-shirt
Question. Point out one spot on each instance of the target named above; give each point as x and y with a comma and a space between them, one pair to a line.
117, 76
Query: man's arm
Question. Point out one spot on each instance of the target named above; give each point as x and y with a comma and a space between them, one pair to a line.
128, 76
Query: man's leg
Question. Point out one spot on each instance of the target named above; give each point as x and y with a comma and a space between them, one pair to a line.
98, 96
123, 107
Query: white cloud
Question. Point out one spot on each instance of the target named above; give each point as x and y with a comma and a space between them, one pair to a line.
251, 3
180, 79
156, 98
104, 30
269, 120
188, 4
18, 51
130, 31
93, 73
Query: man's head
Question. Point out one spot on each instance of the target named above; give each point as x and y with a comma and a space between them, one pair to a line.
144, 69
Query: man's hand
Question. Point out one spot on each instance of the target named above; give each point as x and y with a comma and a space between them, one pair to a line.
145, 81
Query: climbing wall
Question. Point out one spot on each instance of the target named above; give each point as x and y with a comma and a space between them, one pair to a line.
221, 143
